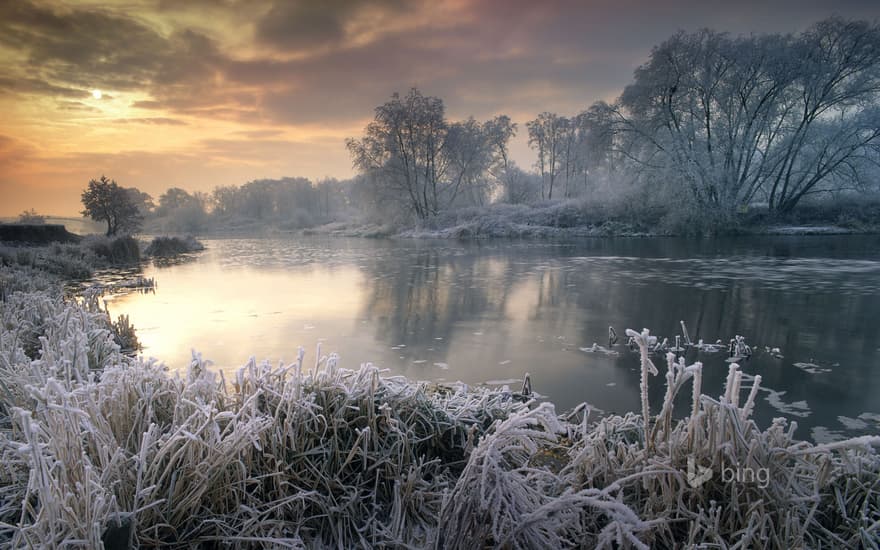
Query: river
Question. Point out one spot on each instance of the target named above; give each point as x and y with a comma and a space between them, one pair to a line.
488, 312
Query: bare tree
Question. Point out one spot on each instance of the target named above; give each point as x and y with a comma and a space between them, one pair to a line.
546, 135
498, 132
737, 118
413, 155
403, 146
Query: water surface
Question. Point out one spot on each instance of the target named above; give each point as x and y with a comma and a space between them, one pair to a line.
490, 312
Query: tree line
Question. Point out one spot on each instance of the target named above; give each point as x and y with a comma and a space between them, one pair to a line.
290, 202
711, 125
714, 123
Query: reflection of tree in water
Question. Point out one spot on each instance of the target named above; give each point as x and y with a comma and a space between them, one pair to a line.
423, 294
545, 301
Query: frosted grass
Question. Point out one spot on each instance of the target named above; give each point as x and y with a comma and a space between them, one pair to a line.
309, 454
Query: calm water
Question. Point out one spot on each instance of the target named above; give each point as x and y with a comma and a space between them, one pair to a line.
490, 312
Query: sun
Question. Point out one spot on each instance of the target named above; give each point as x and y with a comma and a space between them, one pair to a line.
97, 94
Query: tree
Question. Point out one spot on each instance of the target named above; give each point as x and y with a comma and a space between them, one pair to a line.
546, 136
403, 146
106, 201
411, 155
776, 117
498, 132
469, 156
142, 200
172, 199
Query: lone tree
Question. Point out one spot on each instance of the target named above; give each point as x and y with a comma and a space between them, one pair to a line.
106, 201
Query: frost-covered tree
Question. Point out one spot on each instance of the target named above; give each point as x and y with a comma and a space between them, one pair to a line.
470, 155
412, 156
736, 119
547, 136
498, 133
105, 201
403, 147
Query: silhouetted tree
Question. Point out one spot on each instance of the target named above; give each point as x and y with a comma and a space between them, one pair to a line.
105, 201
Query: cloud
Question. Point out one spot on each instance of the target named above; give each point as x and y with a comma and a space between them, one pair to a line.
37, 86
163, 121
228, 80
305, 25
86, 48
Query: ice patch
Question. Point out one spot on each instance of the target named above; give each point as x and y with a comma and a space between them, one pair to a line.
812, 368
596, 348
852, 423
821, 435
797, 408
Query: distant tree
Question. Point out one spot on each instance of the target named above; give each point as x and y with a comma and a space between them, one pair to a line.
180, 210
142, 200
173, 199
31, 217
225, 200
547, 136
498, 132
105, 201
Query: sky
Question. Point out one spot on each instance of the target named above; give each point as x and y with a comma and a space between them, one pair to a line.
200, 93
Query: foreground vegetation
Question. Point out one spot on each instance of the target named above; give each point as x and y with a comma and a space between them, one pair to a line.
99, 447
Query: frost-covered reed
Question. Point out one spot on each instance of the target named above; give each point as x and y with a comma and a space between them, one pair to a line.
97, 446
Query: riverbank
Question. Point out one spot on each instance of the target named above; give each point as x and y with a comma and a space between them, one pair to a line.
578, 219
78, 260
99, 445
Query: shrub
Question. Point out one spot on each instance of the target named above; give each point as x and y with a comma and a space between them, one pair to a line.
115, 251
164, 247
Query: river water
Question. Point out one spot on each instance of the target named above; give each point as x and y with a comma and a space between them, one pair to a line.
488, 312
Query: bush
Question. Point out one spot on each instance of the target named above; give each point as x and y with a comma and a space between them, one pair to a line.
116, 251
165, 247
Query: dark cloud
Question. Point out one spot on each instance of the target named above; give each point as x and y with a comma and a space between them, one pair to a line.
516, 56
82, 47
312, 24
37, 86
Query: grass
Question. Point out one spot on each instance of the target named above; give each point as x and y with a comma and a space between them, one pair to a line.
96, 445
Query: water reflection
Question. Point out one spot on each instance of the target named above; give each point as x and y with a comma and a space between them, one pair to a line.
492, 312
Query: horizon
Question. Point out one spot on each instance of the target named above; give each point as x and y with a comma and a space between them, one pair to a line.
200, 96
